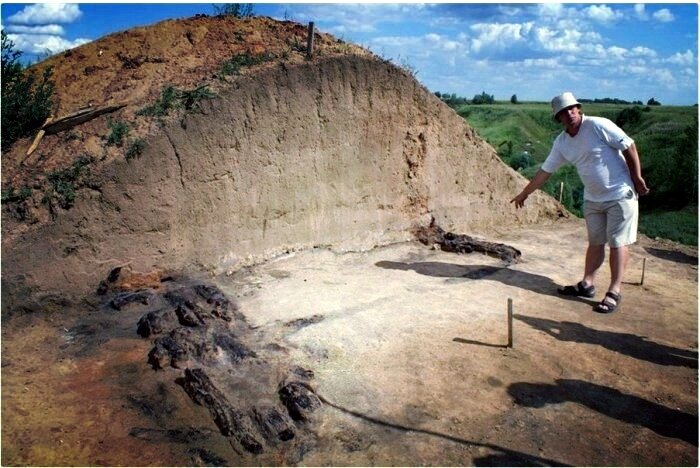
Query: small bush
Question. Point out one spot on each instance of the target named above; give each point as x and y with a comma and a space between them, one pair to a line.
64, 182
233, 65
26, 101
520, 161
10, 196
134, 148
166, 102
190, 99
117, 132
172, 98
628, 117
238, 10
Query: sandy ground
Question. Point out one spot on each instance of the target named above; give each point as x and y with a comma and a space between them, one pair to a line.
407, 345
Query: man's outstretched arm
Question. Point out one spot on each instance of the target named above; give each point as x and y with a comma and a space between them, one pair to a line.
538, 181
635, 167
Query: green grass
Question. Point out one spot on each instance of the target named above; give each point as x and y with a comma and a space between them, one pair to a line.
680, 226
665, 136
117, 132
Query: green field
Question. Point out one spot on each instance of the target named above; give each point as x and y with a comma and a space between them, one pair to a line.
666, 138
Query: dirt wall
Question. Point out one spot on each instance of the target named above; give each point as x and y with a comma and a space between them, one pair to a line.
348, 152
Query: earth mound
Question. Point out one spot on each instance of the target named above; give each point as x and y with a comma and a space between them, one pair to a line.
345, 150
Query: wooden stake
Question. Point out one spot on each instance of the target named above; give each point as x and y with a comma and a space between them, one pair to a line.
510, 322
561, 191
644, 267
310, 41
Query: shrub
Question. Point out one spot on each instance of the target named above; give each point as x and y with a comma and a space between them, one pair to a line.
172, 98
520, 161
26, 101
238, 10
190, 99
628, 116
9, 195
233, 65
117, 132
164, 104
63, 182
134, 148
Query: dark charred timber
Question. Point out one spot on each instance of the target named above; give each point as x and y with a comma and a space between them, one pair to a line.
274, 424
234, 349
123, 299
230, 421
221, 306
300, 400
461, 243
155, 323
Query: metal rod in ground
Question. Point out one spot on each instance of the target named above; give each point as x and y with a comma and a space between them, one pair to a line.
644, 267
510, 322
310, 41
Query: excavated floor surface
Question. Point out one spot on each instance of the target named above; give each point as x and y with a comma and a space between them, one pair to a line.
407, 349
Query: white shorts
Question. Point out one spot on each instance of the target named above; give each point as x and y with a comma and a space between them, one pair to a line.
613, 222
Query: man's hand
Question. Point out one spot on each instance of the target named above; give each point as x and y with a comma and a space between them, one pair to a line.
536, 182
641, 186
519, 200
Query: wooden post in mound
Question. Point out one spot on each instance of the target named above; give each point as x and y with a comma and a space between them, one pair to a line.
561, 191
510, 323
644, 267
310, 41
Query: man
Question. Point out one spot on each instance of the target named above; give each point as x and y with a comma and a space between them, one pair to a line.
608, 164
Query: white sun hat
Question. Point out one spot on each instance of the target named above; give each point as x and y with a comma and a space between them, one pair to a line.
563, 101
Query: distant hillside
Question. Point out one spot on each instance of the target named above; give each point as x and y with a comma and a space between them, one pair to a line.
666, 137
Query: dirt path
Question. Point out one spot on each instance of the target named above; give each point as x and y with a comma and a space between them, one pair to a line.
407, 348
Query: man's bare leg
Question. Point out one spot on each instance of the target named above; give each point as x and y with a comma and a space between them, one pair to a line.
595, 256
618, 263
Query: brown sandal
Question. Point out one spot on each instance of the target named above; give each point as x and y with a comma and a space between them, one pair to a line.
578, 290
606, 306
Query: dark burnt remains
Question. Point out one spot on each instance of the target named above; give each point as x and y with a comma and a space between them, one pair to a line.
200, 336
463, 244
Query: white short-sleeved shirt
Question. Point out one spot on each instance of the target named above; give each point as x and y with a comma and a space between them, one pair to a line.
596, 152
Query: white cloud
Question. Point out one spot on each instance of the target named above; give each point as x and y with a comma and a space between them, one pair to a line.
47, 13
617, 52
644, 52
50, 29
602, 13
499, 35
640, 12
685, 58
41, 43
550, 10
664, 15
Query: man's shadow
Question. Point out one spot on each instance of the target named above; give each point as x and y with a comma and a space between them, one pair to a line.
464, 273
610, 402
638, 347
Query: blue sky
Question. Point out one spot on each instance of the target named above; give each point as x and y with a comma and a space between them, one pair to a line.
623, 50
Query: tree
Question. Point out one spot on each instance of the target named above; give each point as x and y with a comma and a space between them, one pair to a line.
238, 10
483, 98
26, 101
514, 99
653, 102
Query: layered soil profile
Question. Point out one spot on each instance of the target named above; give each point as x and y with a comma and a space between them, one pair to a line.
347, 151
